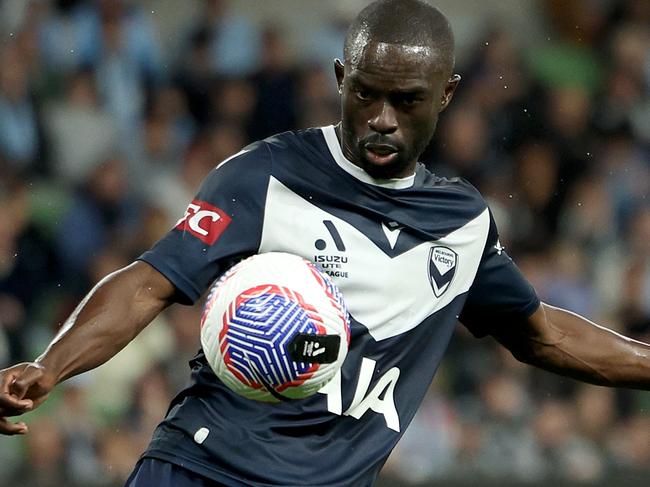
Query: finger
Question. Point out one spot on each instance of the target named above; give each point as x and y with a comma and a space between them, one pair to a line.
23, 381
9, 428
8, 377
10, 405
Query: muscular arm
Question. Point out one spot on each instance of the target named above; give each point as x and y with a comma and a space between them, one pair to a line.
117, 309
109, 317
563, 342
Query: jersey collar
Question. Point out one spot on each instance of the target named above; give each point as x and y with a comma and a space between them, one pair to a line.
337, 154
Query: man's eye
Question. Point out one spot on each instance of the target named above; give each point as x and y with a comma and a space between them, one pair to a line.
364, 95
410, 99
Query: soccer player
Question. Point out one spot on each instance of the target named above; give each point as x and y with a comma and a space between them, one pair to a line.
411, 252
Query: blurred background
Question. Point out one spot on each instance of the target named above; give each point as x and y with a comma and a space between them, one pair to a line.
111, 113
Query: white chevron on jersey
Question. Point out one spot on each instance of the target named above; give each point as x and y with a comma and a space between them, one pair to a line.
391, 234
389, 296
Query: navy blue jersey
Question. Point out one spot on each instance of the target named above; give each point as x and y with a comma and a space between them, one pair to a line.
410, 256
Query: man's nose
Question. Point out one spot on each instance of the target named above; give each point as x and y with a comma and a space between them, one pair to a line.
385, 121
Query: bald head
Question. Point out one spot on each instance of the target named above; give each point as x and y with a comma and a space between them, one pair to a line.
413, 24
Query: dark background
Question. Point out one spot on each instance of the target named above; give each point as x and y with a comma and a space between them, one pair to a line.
111, 113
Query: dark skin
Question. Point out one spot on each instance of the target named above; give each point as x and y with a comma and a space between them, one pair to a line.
391, 100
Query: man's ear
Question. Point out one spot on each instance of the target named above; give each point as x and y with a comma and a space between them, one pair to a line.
339, 70
450, 89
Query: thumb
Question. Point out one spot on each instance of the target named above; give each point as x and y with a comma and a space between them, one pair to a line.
23, 381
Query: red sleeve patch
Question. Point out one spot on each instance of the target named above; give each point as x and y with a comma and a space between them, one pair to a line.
204, 221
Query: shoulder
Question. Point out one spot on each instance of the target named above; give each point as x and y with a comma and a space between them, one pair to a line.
427, 179
242, 173
254, 153
297, 142
455, 192
257, 160
468, 200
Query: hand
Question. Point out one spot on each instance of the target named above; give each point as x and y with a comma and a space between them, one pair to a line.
23, 388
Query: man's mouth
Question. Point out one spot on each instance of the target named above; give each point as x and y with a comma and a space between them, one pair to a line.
381, 153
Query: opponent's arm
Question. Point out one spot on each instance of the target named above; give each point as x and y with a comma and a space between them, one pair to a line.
109, 317
568, 344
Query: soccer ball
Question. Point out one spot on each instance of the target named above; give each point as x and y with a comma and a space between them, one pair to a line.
275, 327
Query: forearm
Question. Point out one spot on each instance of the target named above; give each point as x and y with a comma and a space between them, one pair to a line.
108, 318
573, 346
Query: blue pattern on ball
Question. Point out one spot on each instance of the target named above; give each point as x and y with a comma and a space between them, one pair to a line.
258, 335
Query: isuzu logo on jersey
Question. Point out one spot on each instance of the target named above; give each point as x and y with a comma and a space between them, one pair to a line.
204, 221
333, 265
442, 268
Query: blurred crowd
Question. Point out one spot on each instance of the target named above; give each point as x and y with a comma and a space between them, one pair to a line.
107, 128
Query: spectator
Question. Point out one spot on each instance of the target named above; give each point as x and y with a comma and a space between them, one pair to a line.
19, 133
80, 132
234, 40
101, 213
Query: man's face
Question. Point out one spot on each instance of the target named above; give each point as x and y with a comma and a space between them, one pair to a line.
391, 96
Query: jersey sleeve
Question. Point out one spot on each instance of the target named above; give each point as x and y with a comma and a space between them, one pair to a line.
500, 295
222, 224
